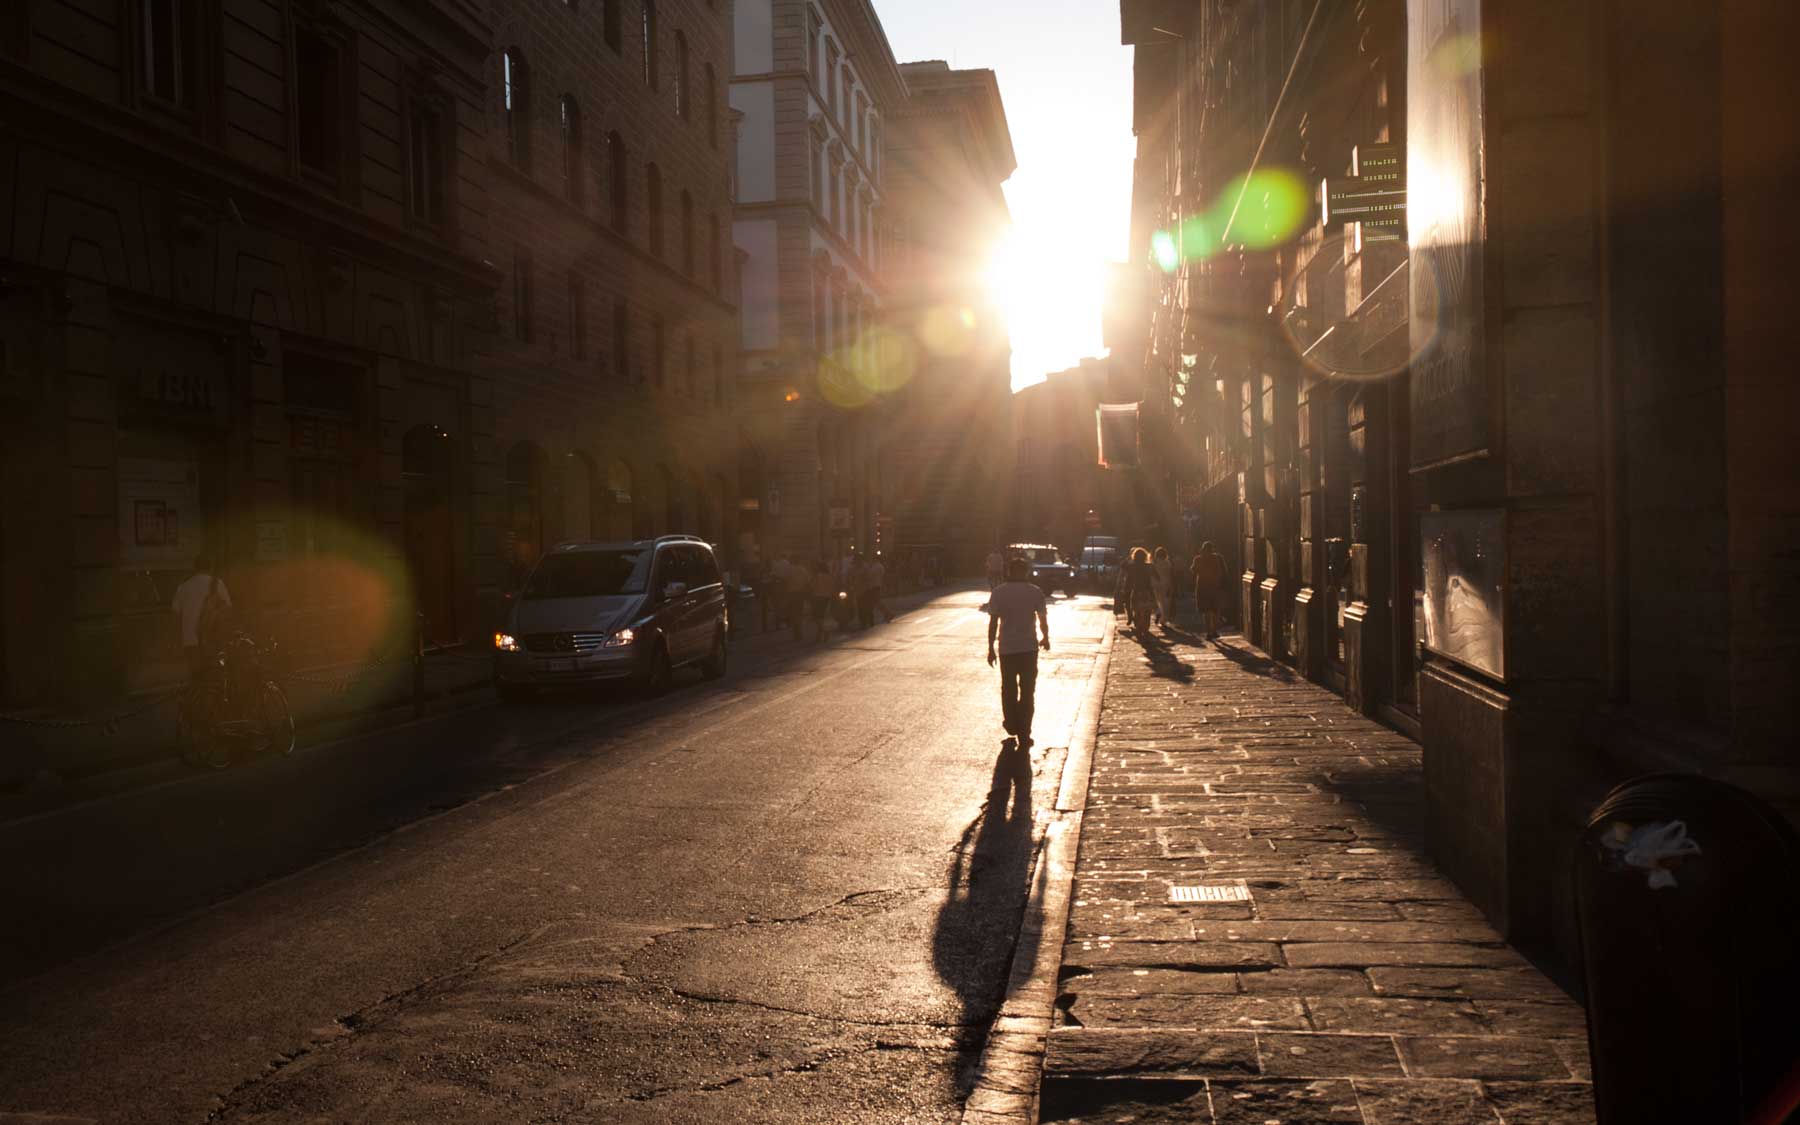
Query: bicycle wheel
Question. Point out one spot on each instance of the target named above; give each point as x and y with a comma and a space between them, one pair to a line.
277, 720
202, 745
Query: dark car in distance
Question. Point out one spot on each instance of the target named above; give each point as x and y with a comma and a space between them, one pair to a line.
636, 611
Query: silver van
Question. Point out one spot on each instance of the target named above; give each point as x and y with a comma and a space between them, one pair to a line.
614, 611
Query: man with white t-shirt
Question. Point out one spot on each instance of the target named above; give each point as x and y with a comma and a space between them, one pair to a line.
1016, 612
190, 605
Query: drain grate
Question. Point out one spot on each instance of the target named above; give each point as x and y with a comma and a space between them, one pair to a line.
1234, 891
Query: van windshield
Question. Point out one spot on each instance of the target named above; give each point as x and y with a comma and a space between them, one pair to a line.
590, 574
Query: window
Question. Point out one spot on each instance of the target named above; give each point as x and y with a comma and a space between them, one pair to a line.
570, 122
831, 68
163, 50
612, 25
515, 99
715, 255
812, 42
620, 189
687, 234
621, 354
659, 342
650, 43
425, 164
841, 92
718, 375
687, 366
821, 326
682, 107
856, 134
712, 106
522, 295
317, 106
653, 204
577, 317
816, 181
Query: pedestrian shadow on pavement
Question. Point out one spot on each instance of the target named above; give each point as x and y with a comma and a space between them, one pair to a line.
973, 942
1163, 660
1252, 661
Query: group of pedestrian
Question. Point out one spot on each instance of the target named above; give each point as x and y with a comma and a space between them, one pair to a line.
1146, 591
793, 590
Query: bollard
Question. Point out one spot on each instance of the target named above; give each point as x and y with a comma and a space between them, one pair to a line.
418, 665
1690, 915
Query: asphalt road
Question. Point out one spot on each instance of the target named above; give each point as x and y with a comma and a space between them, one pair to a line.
784, 896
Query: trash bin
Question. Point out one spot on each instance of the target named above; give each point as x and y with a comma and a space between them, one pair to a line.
1690, 931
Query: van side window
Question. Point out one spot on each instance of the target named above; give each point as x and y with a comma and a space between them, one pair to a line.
706, 567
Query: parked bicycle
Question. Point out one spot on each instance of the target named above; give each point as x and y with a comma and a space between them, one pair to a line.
236, 705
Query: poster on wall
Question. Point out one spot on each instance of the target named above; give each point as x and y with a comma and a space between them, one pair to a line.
1445, 218
159, 513
1463, 559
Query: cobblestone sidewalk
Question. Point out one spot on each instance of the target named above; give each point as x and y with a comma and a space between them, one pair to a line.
1353, 985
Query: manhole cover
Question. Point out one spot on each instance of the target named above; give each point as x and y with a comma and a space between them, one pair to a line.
1234, 891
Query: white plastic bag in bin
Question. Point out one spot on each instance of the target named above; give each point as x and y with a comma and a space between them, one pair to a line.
1651, 847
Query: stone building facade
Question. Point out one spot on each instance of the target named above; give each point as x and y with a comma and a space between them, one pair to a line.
614, 364
949, 445
260, 297
1503, 473
815, 86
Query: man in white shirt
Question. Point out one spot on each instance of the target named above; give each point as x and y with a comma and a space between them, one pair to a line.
190, 604
996, 563
1016, 612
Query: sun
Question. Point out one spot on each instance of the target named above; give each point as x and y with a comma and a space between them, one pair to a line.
1050, 293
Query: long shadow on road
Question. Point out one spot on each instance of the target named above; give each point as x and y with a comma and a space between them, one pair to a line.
973, 943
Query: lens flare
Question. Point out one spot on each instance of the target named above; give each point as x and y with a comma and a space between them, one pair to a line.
948, 330
893, 359
1163, 249
839, 383
347, 597
1271, 204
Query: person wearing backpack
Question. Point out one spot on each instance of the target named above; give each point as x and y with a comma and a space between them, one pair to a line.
203, 604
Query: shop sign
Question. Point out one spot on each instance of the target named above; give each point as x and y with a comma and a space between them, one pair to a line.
271, 540
1463, 560
160, 526
839, 517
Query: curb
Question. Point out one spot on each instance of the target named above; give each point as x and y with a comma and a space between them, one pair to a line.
1012, 1063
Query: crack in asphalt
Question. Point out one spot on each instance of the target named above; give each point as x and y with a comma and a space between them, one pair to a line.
358, 1020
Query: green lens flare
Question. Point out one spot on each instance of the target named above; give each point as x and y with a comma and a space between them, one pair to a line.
1200, 237
1164, 251
1273, 204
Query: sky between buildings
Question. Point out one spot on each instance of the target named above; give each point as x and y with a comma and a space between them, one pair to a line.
1066, 83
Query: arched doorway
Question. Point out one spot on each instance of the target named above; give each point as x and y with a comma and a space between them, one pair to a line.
427, 457
578, 497
524, 511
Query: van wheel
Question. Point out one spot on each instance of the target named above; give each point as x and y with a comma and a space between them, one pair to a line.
657, 675
714, 665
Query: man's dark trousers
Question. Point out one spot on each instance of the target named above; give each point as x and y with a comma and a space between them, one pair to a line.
1018, 690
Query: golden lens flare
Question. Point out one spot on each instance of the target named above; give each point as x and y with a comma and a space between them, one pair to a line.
948, 331
890, 360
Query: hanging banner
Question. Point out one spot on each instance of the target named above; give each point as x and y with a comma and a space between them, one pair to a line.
1118, 425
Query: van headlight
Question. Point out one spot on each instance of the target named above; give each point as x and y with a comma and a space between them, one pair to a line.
506, 642
621, 638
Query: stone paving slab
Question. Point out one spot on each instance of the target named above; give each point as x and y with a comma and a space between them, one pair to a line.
1354, 984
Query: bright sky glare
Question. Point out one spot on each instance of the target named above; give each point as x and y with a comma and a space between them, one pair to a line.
1066, 83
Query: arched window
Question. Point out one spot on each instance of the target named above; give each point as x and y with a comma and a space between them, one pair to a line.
621, 328
625, 512
524, 508
571, 148
612, 25
712, 106
515, 97
687, 234
650, 43
653, 204
682, 107
616, 182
